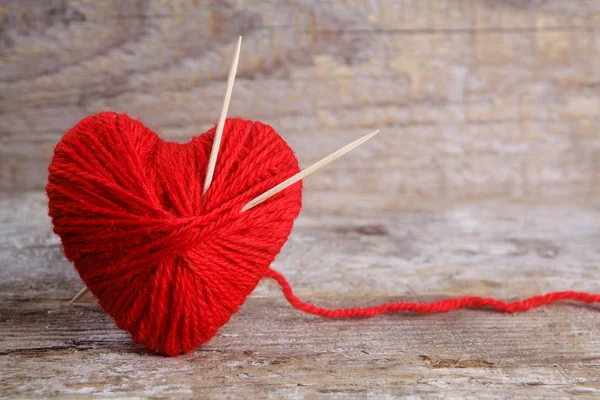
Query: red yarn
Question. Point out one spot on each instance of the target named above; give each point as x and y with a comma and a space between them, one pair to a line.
170, 265
433, 307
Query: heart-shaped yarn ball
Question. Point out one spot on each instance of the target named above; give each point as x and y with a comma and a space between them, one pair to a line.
168, 264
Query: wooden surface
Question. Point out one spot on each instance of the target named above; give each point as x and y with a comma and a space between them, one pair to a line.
485, 180
269, 350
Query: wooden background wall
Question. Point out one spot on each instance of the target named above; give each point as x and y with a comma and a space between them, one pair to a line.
475, 99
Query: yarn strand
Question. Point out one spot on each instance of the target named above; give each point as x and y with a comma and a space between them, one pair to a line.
439, 306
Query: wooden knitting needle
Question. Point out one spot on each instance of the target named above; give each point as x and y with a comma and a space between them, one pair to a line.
212, 161
217, 142
305, 172
79, 295
214, 152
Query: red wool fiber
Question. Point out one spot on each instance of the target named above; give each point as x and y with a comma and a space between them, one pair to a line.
170, 265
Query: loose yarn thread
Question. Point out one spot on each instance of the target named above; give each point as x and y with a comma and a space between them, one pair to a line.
171, 265
439, 306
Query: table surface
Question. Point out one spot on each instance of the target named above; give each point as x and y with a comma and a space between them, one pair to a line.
337, 255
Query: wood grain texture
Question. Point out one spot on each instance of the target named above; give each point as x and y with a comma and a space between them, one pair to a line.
269, 350
475, 98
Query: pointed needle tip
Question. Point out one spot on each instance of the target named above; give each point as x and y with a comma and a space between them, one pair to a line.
79, 295
307, 171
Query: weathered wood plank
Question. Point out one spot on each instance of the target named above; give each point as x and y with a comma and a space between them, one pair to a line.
476, 98
269, 350
383, 252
